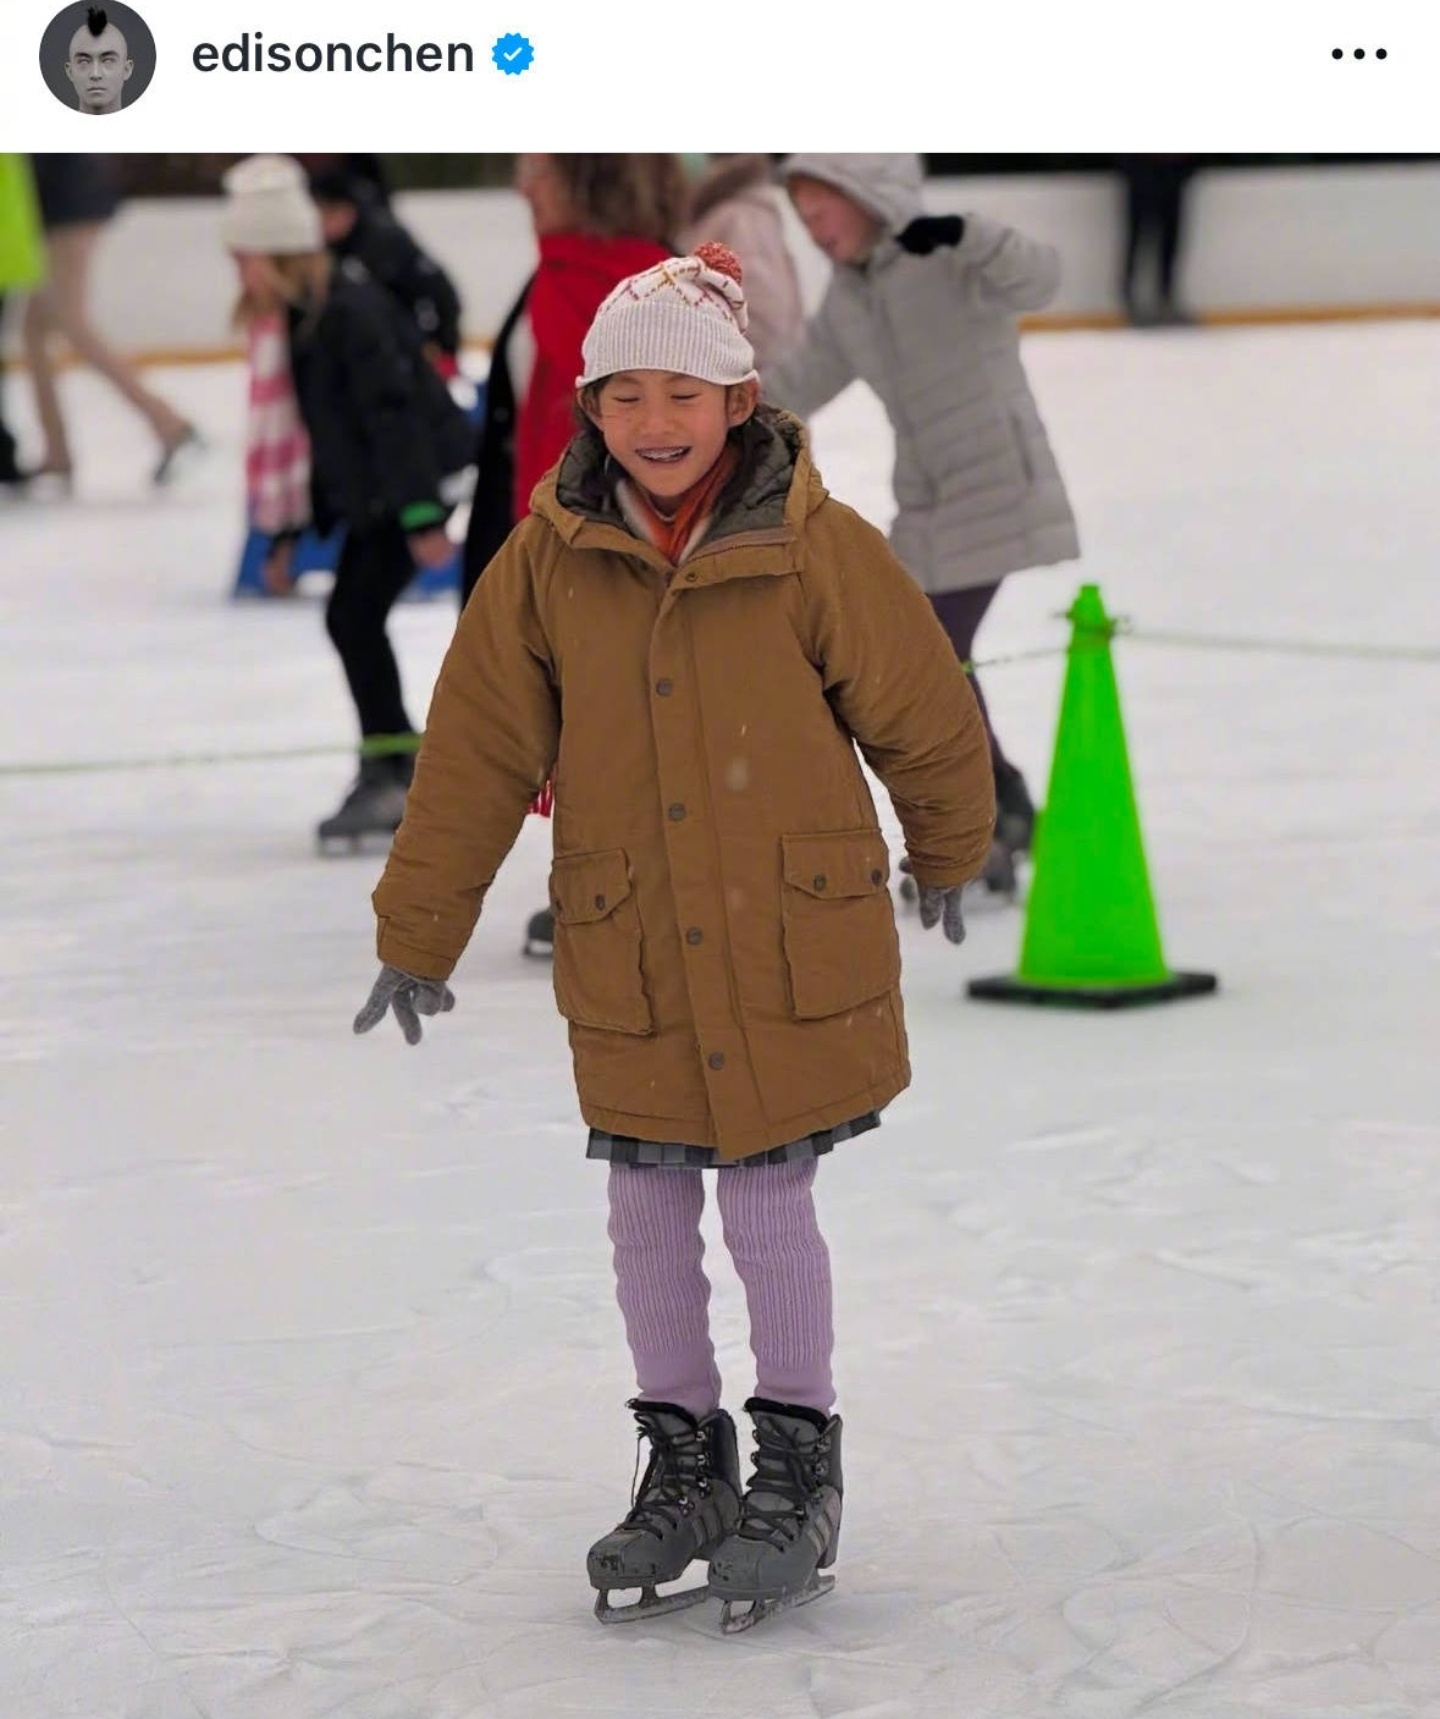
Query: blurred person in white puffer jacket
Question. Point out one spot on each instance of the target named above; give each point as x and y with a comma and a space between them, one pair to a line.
925, 308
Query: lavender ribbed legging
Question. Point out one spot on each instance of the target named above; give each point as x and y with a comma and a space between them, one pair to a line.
767, 1215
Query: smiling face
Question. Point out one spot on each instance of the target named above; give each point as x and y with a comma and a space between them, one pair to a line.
666, 431
99, 67
845, 231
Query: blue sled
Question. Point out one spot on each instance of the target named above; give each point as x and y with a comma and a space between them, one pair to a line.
317, 554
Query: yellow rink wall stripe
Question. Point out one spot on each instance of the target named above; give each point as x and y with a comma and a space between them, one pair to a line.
1062, 322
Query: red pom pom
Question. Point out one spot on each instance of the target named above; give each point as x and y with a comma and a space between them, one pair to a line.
721, 258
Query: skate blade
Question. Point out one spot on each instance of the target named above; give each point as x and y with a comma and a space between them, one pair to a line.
177, 463
733, 1622
651, 1604
353, 842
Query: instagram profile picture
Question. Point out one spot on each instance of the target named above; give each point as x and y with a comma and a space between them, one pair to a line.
97, 58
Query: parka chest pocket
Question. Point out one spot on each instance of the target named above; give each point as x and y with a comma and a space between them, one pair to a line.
597, 972
841, 946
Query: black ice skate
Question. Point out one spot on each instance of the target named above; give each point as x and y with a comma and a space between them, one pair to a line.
790, 1521
540, 936
375, 804
1014, 833
687, 1503
1014, 811
999, 874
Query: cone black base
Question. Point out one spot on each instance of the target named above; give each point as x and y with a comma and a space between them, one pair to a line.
1006, 989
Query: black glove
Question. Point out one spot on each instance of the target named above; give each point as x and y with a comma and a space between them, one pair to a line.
928, 233
409, 997
942, 904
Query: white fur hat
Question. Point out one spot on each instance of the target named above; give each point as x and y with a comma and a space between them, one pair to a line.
269, 209
686, 316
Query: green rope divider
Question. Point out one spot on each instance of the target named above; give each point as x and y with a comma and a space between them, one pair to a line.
1281, 647
173, 761
1014, 657
389, 745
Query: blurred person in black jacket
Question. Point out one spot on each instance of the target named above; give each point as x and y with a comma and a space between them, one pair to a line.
358, 223
384, 438
369, 170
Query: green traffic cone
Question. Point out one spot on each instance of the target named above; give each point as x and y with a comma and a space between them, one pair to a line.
1092, 939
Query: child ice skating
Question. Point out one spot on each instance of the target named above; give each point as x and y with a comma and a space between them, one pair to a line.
923, 308
381, 437
358, 222
695, 638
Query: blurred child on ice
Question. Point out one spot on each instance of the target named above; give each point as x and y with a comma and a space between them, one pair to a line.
381, 436
923, 308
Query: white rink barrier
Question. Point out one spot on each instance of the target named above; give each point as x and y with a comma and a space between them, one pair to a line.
1277, 242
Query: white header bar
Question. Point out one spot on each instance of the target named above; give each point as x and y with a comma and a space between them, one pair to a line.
239, 75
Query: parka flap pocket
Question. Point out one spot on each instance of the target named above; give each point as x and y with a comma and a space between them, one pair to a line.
587, 887
841, 946
598, 972
845, 863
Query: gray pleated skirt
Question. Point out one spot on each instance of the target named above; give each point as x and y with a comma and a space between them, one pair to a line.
671, 1154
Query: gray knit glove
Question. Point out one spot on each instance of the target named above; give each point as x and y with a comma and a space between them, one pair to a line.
942, 904
409, 997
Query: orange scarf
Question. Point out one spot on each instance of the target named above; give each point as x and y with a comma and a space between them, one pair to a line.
671, 535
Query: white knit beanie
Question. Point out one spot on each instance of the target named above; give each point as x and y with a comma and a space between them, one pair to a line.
269, 210
686, 316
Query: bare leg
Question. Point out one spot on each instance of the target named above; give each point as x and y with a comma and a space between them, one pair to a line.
71, 252
38, 329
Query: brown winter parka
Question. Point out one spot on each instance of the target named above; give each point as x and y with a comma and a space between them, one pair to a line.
725, 943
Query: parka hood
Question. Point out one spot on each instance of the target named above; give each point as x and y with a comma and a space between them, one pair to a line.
889, 186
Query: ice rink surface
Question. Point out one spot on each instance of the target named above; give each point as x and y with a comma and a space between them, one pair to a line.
311, 1381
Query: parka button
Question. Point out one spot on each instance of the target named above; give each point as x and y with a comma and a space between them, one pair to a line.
820, 880
690, 578
600, 902
664, 687
716, 1059
677, 812
694, 935
877, 876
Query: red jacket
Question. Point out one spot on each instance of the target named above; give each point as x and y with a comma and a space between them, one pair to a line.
575, 275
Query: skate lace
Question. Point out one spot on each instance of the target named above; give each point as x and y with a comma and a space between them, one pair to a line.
664, 1497
787, 1469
